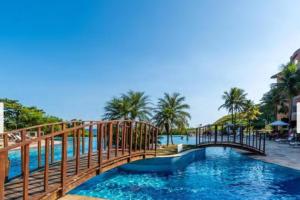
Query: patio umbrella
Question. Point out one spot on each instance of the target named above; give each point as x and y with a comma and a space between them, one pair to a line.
279, 123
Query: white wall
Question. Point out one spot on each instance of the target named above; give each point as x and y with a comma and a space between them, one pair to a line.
1, 117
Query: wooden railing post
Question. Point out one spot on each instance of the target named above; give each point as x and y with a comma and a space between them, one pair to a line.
145, 142
123, 137
46, 170
3, 164
196, 136
5, 144
64, 161
23, 138
222, 132
90, 145
156, 140
259, 147
26, 172
100, 140
74, 139
216, 133
83, 141
109, 140
135, 136
264, 143
52, 144
39, 146
77, 151
153, 137
117, 139
141, 135
130, 140
241, 135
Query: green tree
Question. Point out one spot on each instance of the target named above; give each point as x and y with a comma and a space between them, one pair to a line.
273, 103
234, 102
289, 83
170, 113
18, 116
250, 112
132, 105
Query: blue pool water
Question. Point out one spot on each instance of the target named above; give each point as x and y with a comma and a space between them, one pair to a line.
220, 174
15, 156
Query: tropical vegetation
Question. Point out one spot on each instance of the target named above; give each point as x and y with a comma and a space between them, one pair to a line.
170, 113
234, 102
20, 116
279, 98
129, 106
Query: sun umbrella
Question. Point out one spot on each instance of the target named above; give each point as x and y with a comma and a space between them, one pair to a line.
279, 123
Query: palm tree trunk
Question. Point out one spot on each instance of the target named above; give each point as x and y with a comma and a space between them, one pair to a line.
290, 110
168, 133
171, 136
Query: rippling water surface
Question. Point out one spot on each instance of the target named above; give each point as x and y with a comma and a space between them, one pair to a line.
223, 174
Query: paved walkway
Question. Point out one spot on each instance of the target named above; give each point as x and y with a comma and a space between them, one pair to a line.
281, 154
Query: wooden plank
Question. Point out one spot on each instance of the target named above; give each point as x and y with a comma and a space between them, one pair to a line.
26, 172
46, 169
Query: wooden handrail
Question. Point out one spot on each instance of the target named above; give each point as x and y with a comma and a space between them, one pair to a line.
133, 143
257, 144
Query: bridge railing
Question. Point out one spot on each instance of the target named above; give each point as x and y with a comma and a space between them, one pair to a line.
216, 134
81, 146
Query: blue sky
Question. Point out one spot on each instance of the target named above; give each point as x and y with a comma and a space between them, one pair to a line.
70, 57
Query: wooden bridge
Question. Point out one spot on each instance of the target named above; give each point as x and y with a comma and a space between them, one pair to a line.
216, 135
67, 155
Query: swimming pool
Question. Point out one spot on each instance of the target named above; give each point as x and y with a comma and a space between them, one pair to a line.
221, 174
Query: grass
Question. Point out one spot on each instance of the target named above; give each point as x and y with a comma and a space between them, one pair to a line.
171, 149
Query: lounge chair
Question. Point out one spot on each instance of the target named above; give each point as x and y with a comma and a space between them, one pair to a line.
295, 144
285, 140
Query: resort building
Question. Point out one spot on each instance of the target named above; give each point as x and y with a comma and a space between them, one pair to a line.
295, 58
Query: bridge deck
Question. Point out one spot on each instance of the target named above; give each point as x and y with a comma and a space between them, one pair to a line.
14, 188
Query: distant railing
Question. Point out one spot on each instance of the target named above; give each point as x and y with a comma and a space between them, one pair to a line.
216, 135
74, 150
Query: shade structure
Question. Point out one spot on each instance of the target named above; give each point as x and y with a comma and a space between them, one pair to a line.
279, 123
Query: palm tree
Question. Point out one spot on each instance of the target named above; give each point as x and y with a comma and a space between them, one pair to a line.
250, 113
132, 105
234, 102
289, 83
171, 113
274, 102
